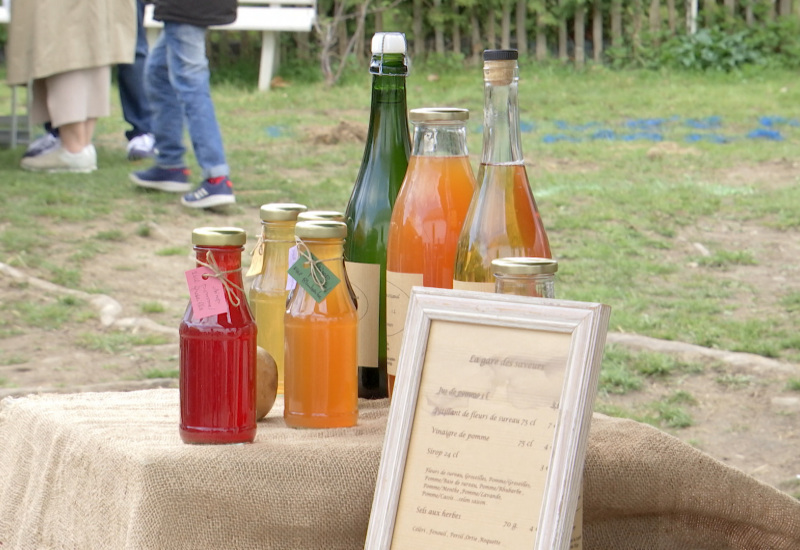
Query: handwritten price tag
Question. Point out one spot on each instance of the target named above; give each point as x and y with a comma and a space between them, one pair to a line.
206, 293
302, 274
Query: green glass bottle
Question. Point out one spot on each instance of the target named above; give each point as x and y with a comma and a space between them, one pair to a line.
369, 209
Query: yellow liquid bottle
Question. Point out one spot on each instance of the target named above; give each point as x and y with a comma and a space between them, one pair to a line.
268, 291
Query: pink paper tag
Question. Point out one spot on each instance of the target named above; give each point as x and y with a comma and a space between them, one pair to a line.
207, 293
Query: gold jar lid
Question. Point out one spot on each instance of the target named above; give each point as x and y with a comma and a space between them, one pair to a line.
524, 266
281, 211
219, 236
317, 215
438, 114
321, 229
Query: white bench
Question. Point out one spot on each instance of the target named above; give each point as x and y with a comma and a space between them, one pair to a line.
268, 16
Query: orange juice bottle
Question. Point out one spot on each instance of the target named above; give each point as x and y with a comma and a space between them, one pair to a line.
427, 217
321, 331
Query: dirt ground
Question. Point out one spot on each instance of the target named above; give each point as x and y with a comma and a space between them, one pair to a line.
750, 423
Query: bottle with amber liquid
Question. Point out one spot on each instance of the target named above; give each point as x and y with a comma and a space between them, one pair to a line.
503, 219
427, 216
268, 289
218, 350
370, 206
321, 346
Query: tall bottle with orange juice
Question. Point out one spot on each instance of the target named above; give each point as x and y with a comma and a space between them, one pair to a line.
427, 217
503, 219
321, 343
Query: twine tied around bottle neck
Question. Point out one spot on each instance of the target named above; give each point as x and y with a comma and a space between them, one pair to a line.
313, 263
261, 244
217, 273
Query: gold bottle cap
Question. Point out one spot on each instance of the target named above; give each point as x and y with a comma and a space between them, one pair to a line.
316, 215
219, 236
438, 114
281, 211
524, 266
321, 229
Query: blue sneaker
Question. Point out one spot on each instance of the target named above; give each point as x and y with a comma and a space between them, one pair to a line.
173, 180
212, 192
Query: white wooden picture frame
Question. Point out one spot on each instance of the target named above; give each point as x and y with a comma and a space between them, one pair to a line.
488, 423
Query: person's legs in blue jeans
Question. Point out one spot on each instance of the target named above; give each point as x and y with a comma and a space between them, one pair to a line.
178, 89
167, 121
131, 79
189, 79
169, 172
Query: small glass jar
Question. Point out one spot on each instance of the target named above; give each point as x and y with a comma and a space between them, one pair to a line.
525, 276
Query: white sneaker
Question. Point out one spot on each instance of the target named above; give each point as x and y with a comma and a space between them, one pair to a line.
61, 160
41, 145
141, 147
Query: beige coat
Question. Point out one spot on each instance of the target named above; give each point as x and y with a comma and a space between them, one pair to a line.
47, 37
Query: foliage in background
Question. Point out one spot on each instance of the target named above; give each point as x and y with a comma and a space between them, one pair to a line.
452, 33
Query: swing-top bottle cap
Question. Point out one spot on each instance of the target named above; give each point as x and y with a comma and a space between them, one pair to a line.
433, 114
523, 266
317, 215
388, 42
500, 55
219, 236
321, 229
280, 211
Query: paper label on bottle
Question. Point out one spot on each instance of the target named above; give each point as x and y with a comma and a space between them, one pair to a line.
257, 263
206, 293
293, 255
477, 287
314, 277
366, 282
398, 294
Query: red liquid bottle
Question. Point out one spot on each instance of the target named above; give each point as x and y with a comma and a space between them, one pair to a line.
218, 351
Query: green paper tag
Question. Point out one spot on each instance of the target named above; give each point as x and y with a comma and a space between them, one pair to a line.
301, 272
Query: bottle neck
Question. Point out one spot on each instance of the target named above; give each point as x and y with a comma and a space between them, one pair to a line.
441, 139
282, 231
501, 138
388, 112
227, 260
329, 252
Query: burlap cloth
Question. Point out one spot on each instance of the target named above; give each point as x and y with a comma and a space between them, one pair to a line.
108, 471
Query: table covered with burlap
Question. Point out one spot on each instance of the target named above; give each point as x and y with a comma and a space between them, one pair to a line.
109, 471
